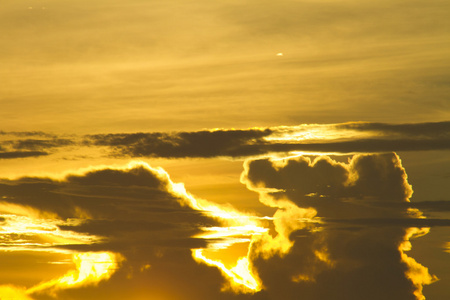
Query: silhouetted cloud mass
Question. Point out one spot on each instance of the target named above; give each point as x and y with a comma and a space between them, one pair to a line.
356, 137
340, 230
357, 250
136, 213
185, 144
427, 130
116, 202
21, 154
240, 143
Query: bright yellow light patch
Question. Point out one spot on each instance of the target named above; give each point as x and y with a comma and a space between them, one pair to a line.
241, 277
417, 273
312, 132
10, 292
91, 268
37, 234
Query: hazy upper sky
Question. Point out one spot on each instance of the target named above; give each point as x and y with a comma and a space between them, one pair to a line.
158, 65
227, 149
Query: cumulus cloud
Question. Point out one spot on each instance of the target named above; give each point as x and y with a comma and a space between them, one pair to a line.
348, 247
124, 227
340, 231
116, 203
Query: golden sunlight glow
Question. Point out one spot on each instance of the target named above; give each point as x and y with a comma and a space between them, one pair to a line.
237, 228
287, 219
10, 292
241, 277
417, 273
311, 133
242, 228
447, 247
231, 246
34, 234
23, 210
91, 268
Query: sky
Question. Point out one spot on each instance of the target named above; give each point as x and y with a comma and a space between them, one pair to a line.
171, 150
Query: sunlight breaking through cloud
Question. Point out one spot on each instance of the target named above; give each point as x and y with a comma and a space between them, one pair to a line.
417, 273
91, 268
321, 207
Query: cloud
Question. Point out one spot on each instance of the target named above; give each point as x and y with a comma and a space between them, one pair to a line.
13, 292
184, 144
344, 138
91, 268
133, 220
21, 154
340, 231
401, 222
333, 138
435, 206
427, 130
117, 203
347, 246
29, 144
35, 144
26, 133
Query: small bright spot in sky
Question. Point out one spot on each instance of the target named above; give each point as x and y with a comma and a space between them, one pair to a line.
280, 54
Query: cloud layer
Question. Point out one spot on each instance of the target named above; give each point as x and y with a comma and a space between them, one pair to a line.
340, 230
345, 138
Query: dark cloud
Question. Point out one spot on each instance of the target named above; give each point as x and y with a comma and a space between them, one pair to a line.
27, 133
184, 144
377, 137
336, 189
129, 208
125, 201
435, 206
136, 213
21, 145
362, 146
21, 154
428, 206
240, 143
356, 251
35, 144
402, 222
426, 130
338, 232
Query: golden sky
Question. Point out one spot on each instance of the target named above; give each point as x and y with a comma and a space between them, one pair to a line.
224, 149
